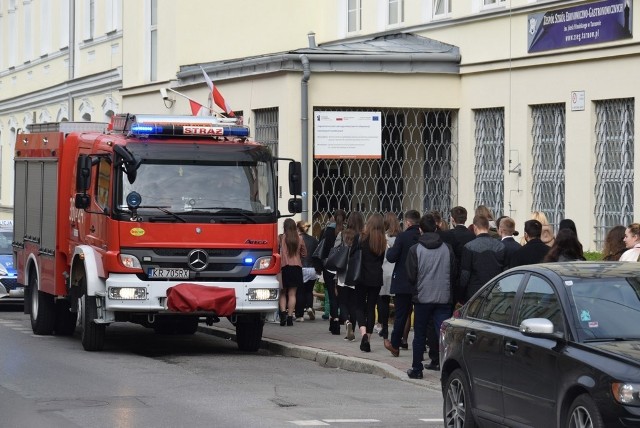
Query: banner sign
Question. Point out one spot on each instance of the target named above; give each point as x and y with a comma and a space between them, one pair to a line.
598, 22
348, 135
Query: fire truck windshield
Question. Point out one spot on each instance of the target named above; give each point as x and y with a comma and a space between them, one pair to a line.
207, 187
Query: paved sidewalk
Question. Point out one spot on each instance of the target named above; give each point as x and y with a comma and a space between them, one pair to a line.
312, 340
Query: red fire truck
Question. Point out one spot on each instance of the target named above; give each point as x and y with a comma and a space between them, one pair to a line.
164, 221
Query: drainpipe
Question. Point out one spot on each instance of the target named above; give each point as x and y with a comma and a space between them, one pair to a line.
72, 54
304, 124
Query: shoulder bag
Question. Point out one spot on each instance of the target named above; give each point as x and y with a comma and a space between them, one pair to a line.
338, 258
354, 264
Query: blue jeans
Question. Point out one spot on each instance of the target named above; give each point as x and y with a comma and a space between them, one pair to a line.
421, 314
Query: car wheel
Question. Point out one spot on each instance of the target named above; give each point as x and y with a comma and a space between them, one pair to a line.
584, 413
456, 407
42, 308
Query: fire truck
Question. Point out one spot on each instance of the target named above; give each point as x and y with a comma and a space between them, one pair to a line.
163, 221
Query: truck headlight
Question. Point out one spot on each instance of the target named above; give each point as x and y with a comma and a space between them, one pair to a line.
626, 393
263, 263
130, 261
262, 294
127, 293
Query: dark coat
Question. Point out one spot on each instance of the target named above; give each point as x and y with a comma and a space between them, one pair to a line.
371, 273
398, 255
510, 247
311, 243
458, 238
482, 259
531, 253
329, 237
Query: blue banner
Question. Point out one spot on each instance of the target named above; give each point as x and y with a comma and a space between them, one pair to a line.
597, 22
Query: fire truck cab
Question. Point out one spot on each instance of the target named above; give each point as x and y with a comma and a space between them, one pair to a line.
164, 221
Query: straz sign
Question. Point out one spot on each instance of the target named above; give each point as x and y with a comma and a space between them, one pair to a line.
202, 130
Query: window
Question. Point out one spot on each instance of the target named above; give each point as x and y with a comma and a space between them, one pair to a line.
492, 3
89, 19
103, 183
13, 29
548, 160
63, 28
441, 8
45, 27
395, 12
540, 301
267, 121
614, 165
354, 15
27, 54
153, 41
489, 153
112, 15
498, 302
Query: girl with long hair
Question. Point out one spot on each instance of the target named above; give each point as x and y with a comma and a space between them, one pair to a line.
614, 244
333, 236
292, 251
392, 229
565, 248
632, 242
346, 293
372, 244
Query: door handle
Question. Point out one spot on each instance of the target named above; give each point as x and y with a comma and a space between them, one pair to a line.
471, 337
511, 347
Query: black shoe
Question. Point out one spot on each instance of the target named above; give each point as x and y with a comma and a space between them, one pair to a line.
433, 365
365, 346
414, 374
334, 327
290, 320
283, 318
404, 344
384, 333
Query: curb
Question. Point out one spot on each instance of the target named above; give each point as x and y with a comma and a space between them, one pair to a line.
326, 358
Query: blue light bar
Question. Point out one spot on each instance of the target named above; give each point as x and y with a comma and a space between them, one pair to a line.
248, 260
185, 126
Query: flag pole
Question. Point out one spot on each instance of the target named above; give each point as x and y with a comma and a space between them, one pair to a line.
191, 99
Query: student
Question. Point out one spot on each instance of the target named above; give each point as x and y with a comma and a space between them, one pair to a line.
292, 251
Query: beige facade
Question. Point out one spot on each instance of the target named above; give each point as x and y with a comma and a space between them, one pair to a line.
252, 51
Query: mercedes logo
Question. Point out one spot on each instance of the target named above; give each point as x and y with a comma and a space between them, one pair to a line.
198, 260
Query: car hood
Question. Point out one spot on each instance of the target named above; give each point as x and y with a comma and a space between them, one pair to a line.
628, 349
6, 261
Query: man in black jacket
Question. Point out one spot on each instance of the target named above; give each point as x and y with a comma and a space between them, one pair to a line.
458, 236
506, 229
534, 250
482, 259
400, 287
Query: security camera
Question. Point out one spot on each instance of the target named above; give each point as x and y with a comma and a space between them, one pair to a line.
163, 92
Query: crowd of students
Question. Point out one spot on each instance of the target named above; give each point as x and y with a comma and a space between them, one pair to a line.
423, 264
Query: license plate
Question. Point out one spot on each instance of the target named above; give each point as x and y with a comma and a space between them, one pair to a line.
168, 273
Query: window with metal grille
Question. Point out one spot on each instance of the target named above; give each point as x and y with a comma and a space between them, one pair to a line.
548, 151
417, 169
614, 165
489, 155
267, 128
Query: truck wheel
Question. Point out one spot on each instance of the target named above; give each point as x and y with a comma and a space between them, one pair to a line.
42, 308
66, 320
92, 334
249, 332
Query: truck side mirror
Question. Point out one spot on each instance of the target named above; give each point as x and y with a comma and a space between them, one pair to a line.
295, 205
82, 201
295, 179
83, 173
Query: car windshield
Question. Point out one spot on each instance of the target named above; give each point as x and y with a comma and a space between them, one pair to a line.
606, 308
5, 243
210, 187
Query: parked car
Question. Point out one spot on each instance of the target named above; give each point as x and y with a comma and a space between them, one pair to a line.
9, 290
547, 345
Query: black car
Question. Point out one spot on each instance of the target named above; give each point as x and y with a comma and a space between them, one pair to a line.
546, 345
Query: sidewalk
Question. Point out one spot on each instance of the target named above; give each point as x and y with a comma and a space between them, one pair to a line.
312, 340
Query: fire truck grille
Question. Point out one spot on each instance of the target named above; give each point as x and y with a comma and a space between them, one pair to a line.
184, 252
9, 283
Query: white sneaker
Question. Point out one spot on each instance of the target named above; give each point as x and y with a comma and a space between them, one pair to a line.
300, 319
377, 328
350, 336
311, 313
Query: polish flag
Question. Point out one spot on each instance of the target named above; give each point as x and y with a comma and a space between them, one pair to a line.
218, 99
195, 108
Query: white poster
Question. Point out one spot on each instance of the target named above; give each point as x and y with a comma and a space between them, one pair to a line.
348, 135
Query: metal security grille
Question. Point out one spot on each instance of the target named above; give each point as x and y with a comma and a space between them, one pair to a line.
417, 169
614, 165
489, 155
267, 127
548, 160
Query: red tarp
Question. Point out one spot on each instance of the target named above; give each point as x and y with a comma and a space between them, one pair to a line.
193, 297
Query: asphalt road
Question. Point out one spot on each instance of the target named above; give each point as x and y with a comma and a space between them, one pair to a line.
143, 379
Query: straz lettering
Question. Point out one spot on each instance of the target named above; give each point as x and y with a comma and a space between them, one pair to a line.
202, 130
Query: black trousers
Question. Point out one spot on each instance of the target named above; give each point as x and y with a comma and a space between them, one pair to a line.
304, 297
366, 299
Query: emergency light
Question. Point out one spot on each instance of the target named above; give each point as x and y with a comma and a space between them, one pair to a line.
179, 126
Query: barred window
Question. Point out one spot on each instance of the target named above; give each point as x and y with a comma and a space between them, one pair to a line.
489, 154
614, 165
267, 128
548, 152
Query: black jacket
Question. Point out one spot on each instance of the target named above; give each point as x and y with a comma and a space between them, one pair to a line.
532, 252
329, 237
482, 259
371, 273
510, 247
458, 238
398, 255
311, 243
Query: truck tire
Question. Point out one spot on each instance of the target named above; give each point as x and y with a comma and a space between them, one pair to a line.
249, 332
42, 308
66, 320
91, 334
